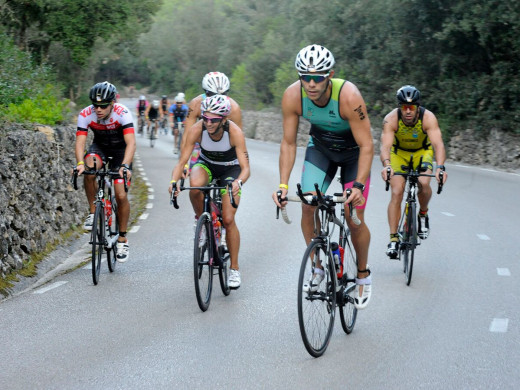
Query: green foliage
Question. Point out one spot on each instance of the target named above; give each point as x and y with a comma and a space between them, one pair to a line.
19, 77
46, 108
242, 88
284, 76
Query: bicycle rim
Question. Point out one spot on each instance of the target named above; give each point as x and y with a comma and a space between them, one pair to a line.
98, 230
152, 138
347, 310
202, 262
411, 242
113, 228
223, 274
316, 310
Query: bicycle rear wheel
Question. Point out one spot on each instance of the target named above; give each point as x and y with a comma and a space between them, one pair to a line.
347, 310
202, 262
153, 128
98, 241
410, 242
113, 229
223, 274
316, 309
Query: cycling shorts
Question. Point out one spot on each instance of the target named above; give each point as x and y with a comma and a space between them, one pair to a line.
402, 158
223, 173
318, 167
104, 153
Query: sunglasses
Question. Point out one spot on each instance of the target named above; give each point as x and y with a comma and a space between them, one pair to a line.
411, 107
102, 105
317, 78
211, 120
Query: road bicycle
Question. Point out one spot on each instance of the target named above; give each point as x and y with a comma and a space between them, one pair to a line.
180, 128
317, 303
105, 229
407, 230
153, 131
164, 124
210, 255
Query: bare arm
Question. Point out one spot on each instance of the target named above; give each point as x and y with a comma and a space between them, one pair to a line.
354, 109
432, 129
81, 141
236, 113
239, 142
192, 135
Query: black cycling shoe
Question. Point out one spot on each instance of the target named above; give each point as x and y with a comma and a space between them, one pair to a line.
393, 249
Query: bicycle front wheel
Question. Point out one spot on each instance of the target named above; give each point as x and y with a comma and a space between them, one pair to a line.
316, 302
202, 262
410, 242
113, 229
223, 273
152, 134
347, 310
98, 241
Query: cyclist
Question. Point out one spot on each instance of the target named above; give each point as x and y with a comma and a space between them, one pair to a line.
212, 83
165, 106
340, 138
223, 155
410, 130
113, 129
142, 105
153, 113
178, 112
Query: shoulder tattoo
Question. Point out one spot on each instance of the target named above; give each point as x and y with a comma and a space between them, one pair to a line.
360, 112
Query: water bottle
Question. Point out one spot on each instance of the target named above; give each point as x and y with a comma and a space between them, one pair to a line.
216, 226
108, 212
341, 254
334, 247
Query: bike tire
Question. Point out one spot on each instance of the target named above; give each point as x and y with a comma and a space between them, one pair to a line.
152, 135
113, 229
98, 241
347, 309
223, 274
317, 310
411, 241
202, 262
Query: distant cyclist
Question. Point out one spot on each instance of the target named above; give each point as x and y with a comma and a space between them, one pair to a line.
224, 156
154, 113
113, 129
165, 106
178, 112
140, 109
213, 83
410, 130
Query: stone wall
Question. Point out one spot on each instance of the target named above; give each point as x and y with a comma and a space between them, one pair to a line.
37, 201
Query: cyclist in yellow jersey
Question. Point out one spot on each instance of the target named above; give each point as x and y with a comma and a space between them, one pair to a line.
410, 130
340, 138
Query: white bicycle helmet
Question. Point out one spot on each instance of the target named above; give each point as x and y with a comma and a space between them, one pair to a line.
314, 58
179, 99
142, 97
216, 104
156, 104
215, 82
181, 95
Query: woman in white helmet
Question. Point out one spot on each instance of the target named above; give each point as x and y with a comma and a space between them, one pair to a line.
213, 83
223, 155
340, 138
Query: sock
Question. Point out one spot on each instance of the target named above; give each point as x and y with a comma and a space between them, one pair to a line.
394, 237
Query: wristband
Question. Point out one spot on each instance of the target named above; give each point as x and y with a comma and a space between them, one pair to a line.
125, 166
441, 167
173, 182
386, 159
186, 166
80, 163
359, 186
284, 186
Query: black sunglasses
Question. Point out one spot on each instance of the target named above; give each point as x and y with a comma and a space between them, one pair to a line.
102, 105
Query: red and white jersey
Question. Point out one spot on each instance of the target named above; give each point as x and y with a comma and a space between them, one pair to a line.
109, 132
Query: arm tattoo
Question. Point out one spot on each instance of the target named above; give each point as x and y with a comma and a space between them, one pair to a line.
190, 110
247, 155
360, 112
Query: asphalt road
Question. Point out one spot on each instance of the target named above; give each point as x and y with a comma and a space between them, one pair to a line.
456, 326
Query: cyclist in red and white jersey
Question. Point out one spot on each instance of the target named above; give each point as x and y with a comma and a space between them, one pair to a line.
113, 128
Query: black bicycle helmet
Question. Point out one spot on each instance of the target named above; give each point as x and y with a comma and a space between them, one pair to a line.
103, 93
408, 94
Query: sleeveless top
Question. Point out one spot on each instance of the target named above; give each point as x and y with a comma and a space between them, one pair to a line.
328, 129
218, 152
411, 138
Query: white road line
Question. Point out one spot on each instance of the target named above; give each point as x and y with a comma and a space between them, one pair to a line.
499, 325
503, 272
89, 265
49, 287
483, 237
134, 229
448, 214
151, 197
149, 206
150, 189
144, 216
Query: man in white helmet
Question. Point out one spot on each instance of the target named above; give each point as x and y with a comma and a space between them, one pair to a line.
213, 83
340, 138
